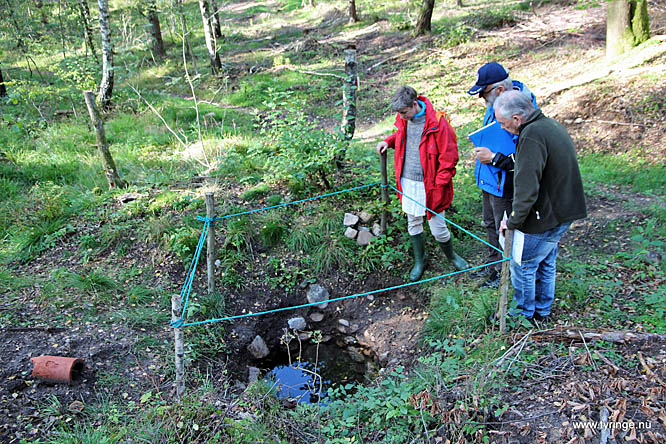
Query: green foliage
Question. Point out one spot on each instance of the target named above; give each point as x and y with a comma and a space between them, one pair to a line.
256, 192
623, 169
272, 232
296, 150
382, 252
182, 241
455, 309
490, 18
238, 233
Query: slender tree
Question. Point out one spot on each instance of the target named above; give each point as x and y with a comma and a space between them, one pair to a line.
627, 25
3, 89
351, 8
423, 25
112, 176
84, 13
39, 4
106, 85
155, 29
17, 29
215, 19
178, 7
208, 34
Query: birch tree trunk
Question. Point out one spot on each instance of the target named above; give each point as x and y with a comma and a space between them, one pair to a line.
155, 29
106, 85
108, 164
215, 19
3, 89
84, 12
423, 25
208, 34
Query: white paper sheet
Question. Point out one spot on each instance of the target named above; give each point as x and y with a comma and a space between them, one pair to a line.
518, 243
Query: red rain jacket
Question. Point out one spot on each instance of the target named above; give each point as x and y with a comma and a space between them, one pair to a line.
439, 155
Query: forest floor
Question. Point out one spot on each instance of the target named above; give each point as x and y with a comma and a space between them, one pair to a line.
127, 356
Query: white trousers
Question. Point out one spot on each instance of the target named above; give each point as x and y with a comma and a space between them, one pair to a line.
437, 225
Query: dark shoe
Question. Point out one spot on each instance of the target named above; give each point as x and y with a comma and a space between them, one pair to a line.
457, 262
480, 273
493, 280
418, 245
542, 320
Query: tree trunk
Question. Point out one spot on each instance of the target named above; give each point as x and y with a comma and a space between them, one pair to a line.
17, 29
353, 17
459, 3
178, 6
627, 25
40, 5
84, 12
349, 94
215, 19
155, 30
106, 86
3, 89
423, 25
108, 164
208, 34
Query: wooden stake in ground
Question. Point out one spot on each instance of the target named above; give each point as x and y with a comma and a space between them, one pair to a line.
109, 165
385, 197
349, 93
505, 275
349, 87
210, 247
178, 340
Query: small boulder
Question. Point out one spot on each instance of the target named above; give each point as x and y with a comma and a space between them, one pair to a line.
365, 217
376, 229
350, 220
317, 317
297, 323
253, 374
364, 237
344, 322
258, 348
317, 293
351, 233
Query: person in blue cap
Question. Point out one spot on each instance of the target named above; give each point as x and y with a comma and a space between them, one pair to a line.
494, 170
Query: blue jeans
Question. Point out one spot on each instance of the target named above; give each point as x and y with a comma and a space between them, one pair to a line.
534, 280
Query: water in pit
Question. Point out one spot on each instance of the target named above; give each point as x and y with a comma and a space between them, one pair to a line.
313, 373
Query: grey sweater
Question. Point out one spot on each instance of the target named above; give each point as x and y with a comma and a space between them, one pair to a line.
412, 168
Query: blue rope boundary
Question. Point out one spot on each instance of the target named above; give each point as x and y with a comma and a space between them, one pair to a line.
189, 277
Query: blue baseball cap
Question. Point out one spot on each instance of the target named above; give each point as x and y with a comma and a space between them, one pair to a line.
488, 74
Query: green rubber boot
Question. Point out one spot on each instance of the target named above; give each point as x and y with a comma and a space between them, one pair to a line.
418, 244
458, 262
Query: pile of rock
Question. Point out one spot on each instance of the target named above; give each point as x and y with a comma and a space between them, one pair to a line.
358, 227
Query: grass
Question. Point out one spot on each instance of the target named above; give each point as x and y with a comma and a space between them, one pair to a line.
105, 256
628, 169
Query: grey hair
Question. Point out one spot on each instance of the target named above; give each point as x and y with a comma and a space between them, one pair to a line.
506, 83
513, 103
404, 97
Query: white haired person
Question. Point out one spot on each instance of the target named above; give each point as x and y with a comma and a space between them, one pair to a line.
547, 198
494, 169
426, 154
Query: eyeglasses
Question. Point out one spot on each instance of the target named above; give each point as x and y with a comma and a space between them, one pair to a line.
484, 92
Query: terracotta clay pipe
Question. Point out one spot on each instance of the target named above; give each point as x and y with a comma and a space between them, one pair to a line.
56, 368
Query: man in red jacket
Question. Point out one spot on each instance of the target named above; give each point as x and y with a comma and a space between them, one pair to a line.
426, 154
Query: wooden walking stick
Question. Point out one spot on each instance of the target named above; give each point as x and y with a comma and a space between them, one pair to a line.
505, 275
178, 340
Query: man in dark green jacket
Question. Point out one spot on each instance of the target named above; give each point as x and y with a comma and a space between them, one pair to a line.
547, 197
